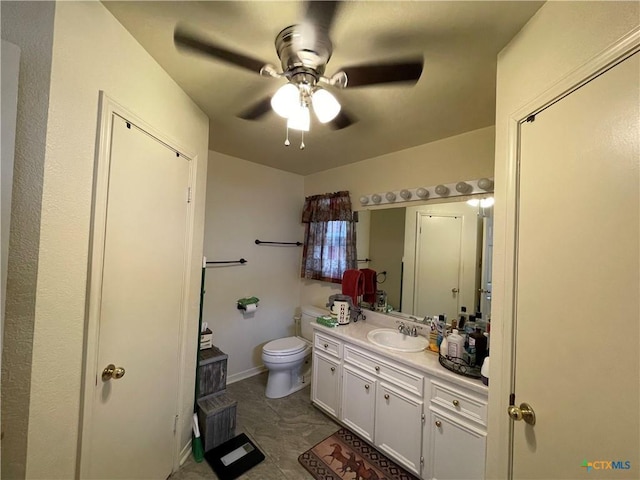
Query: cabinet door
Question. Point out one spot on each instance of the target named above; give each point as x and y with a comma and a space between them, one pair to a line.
457, 450
358, 401
398, 430
325, 391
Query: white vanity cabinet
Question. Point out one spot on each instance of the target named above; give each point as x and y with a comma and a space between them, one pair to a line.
457, 433
399, 426
434, 428
327, 370
358, 402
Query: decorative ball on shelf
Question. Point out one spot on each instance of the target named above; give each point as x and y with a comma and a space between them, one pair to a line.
405, 194
442, 190
422, 192
463, 187
364, 200
485, 184
375, 198
390, 196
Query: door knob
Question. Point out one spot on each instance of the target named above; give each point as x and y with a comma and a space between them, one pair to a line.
454, 290
111, 371
523, 412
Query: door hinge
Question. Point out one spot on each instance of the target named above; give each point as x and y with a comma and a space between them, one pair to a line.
423, 418
421, 460
175, 424
189, 195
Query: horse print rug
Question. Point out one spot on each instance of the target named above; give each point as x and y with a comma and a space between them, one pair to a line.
344, 456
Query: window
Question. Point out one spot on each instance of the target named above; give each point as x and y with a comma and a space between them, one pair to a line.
330, 237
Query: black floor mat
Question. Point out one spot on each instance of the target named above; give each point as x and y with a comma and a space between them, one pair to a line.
239, 454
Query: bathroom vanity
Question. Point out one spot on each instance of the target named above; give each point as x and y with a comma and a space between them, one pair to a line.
426, 418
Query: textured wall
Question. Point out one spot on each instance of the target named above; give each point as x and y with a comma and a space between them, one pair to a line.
245, 202
560, 38
92, 52
33, 103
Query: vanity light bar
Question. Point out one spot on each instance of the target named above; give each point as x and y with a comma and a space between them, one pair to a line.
447, 190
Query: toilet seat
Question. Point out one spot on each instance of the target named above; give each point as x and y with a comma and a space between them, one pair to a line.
284, 346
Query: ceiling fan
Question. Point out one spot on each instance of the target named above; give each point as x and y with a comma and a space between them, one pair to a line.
304, 51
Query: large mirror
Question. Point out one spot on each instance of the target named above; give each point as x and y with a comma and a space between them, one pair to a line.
431, 259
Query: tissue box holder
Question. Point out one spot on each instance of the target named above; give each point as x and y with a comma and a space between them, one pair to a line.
206, 339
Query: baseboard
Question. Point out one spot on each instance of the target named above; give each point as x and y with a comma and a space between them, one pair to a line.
252, 372
185, 452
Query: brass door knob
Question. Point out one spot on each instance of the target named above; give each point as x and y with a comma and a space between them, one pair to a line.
333, 369
454, 290
326, 345
111, 371
386, 396
377, 369
523, 412
438, 423
456, 403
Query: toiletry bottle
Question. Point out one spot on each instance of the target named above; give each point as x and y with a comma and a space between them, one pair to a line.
478, 342
444, 347
456, 345
463, 318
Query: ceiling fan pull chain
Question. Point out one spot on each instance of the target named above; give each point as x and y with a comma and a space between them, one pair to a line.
287, 142
302, 141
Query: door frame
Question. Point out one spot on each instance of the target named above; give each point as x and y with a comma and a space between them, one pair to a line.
108, 108
503, 372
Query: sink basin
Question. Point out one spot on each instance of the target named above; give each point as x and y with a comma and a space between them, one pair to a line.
394, 340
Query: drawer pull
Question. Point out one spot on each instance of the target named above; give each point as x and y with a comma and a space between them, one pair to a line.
326, 345
456, 403
366, 387
333, 369
386, 396
377, 369
438, 423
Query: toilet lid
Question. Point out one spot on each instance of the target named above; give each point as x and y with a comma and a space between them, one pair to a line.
285, 346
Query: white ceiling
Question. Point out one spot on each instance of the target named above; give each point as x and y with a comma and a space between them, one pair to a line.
455, 94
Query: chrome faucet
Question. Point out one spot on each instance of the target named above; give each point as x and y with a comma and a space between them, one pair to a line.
412, 332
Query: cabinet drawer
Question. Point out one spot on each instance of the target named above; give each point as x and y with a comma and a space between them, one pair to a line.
328, 345
390, 371
461, 403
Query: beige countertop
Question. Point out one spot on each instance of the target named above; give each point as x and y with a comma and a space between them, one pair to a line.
425, 361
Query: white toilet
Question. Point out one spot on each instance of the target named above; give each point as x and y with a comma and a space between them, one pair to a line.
289, 359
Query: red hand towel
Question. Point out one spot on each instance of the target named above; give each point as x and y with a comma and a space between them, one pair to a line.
370, 285
352, 284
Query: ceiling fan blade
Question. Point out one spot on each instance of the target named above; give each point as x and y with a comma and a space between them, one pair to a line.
342, 120
321, 13
257, 110
183, 39
363, 75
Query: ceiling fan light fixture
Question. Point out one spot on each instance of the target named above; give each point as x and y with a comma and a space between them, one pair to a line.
286, 100
325, 105
300, 119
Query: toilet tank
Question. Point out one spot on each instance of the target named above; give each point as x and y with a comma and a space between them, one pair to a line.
309, 315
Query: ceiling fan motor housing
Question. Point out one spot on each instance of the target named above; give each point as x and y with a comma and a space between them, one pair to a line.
304, 51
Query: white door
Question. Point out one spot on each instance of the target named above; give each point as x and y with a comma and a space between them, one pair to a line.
133, 417
438, 256
577, 303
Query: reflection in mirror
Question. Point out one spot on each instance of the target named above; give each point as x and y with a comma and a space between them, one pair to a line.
437, 257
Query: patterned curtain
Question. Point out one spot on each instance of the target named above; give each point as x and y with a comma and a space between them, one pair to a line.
329, 237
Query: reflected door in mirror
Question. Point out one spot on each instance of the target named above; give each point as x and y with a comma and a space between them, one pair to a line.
437, 284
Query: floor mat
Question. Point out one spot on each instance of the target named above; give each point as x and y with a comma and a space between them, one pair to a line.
344, 456
234, 457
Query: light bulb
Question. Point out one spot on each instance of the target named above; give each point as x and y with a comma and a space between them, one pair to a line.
463, 187
376, 198
487, 202
390, 196
364, 200
442, 190
286, 100
485, 184
325, 105
406, 194
300, 119
422, 192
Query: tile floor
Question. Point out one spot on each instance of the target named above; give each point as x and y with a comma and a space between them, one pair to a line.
281, 428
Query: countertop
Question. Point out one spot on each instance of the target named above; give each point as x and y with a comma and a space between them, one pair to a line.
425, 361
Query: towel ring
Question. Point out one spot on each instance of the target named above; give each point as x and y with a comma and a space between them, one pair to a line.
384, 274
